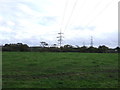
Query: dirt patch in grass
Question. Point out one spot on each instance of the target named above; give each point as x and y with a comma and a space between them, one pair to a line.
107, 71
58, 74
42, 75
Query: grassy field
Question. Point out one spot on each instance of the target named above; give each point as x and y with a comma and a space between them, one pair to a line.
59, 70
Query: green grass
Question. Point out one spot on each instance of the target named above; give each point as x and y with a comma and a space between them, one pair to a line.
59, 70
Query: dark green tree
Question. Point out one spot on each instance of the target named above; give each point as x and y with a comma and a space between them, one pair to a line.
103, 49
117, 49
43, 44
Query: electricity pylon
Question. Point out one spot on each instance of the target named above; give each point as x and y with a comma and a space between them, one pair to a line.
91, 41
60, 38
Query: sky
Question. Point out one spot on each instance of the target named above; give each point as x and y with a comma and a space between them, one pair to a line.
33, 21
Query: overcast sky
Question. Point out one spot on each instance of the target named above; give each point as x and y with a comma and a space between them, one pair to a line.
33, 21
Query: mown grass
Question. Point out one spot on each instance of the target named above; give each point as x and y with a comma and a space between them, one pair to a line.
59, 70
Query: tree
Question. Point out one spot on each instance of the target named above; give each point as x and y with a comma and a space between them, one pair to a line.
117, 49
43, 44
15, 47
103, 49
92, 49
54, 45
83, 49
68, 46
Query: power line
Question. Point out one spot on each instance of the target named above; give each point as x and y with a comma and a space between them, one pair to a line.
60, 37
66, 4
71, 14
60, 34
84, 2
99, 13
95, 8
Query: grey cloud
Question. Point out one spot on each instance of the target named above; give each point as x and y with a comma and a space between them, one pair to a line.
83, 27
9, 10
47, 20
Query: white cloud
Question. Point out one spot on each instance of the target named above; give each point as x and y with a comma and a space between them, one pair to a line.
34, 20
5, 29
10, 23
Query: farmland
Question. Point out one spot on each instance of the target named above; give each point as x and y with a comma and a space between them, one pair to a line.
59, 70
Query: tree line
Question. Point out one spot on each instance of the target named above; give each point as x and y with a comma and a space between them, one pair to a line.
66, 48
